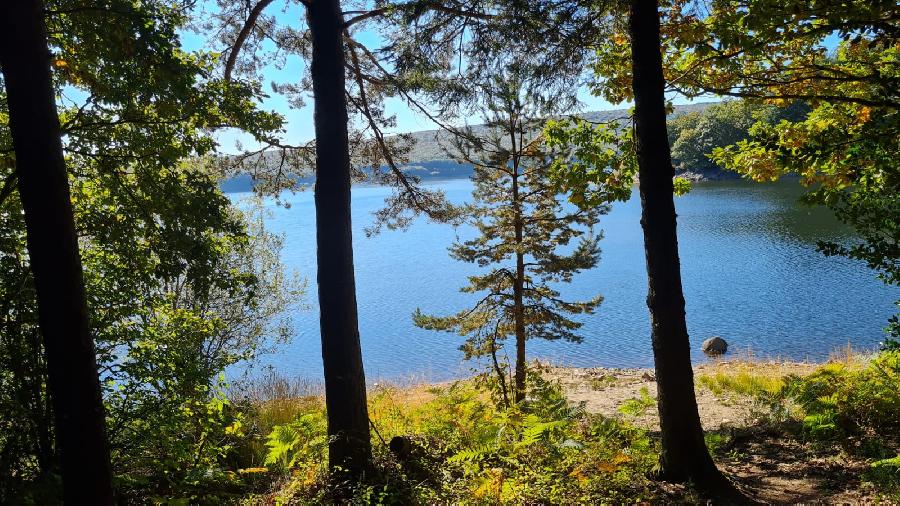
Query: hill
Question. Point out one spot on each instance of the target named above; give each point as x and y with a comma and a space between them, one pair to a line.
429, 160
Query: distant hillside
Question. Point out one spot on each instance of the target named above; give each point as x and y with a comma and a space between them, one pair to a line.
429, 161
428, 142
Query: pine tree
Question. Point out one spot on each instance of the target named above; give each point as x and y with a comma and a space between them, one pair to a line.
524, 231
346, 79
345, 382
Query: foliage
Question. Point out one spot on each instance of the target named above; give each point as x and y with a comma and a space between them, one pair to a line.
851, 162
852, 403
180, 284
638, 406
837, 399
892, 342
695, 135
847, 146
464, 449
253, 44
840, 400
174, 302
742, 382
526, 233
300, 442
201, 296
596, 164
885, 474
780, 56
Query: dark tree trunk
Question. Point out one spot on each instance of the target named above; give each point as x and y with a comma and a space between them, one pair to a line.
518, 290
501, 374
519, 281
53, 251
684, 455
349, 447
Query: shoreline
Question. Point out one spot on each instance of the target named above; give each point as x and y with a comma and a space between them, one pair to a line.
602, 390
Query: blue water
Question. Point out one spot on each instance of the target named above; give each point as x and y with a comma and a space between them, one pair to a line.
750, 269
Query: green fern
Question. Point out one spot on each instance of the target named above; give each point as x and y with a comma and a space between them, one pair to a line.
294, 442
534, 429
638, 406
475, 454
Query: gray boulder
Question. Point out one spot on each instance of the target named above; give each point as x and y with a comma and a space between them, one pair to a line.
714, 346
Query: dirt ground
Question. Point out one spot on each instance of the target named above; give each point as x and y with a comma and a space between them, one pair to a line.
767, 462
605, 390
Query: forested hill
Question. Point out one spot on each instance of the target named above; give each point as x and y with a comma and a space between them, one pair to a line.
429, 160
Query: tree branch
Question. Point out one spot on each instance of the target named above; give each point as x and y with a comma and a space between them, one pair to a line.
242, 36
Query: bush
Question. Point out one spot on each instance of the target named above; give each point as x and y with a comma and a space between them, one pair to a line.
841, 399
853, 404
885, 474
454, 444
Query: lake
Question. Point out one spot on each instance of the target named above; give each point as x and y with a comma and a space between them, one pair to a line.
750, 268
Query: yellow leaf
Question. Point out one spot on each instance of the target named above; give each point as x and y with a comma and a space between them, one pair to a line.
253, 470
865, 114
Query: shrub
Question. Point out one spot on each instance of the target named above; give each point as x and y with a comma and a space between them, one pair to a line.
459, 446
841, 399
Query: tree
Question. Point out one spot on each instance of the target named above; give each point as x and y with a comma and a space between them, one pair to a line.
522, 227
597, 164
54, 257
683, 455
175, 307
600, 166
176, 289
343, 74
846, 148
174, 301
695, 135
345, 383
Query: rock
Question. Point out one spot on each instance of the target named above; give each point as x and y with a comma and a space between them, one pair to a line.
401, 447
714, 346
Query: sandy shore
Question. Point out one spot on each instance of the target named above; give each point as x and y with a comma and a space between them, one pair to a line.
604, 390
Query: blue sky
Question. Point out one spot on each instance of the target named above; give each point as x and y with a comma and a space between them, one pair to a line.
299, 121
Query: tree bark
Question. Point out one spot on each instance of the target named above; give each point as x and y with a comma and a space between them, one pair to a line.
349, 447
518, 288
684, 455
53, 252
519, 281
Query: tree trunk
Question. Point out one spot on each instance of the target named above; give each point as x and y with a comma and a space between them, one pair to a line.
501, 375
684, 455
518, 282
520, 324
349, 447
53, 251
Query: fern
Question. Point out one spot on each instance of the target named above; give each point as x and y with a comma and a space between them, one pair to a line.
281, 442
476, 454
294, 442
534, 429
638, 406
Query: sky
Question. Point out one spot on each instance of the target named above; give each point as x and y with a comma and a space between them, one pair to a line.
299, 121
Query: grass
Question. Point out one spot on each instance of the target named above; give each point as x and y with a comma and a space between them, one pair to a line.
638, 406
602, 382
743, 382
464, 450
847, 408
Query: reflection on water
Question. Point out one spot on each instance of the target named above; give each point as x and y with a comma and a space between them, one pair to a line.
751, 274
